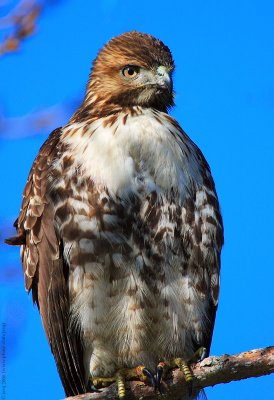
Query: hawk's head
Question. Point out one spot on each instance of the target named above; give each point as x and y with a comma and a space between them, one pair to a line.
132, 69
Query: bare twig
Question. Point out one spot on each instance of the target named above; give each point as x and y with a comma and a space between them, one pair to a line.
211, 371
20, 22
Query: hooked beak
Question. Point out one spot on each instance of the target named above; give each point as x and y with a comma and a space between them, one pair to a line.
163, 78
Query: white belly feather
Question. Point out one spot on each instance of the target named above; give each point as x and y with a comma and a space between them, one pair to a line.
139, 157
142, 147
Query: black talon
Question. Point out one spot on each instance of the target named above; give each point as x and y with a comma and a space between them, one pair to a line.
150, 375
91, 388
159, 374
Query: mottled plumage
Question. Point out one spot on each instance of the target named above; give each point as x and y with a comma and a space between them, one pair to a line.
120, 224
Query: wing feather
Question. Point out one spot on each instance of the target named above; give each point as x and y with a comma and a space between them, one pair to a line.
46, 273
204, 238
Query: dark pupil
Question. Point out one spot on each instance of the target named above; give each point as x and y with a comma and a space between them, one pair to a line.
130, 71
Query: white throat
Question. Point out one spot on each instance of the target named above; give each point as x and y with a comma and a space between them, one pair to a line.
146, 150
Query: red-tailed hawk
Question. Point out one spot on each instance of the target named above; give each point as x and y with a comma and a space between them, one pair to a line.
120, 227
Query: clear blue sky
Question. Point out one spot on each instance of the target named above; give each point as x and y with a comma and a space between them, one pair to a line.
224, 80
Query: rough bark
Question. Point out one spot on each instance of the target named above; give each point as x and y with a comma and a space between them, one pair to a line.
211, 371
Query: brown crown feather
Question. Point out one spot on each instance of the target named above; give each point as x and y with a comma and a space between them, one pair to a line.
134, 48
106, 92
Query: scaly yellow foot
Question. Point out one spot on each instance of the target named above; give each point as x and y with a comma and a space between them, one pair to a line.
199, 355
182, 364
140, 373
103, 382
121, 382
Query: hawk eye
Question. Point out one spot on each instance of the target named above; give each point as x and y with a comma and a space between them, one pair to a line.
130, 71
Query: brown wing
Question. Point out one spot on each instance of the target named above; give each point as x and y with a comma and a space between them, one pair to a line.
207, 243
46, 273
204, 238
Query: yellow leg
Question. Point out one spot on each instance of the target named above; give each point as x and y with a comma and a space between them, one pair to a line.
103, 382
146, 375
182, 364
120, 377
120, 380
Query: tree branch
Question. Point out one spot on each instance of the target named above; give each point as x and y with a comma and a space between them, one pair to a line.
20, 23
211, 371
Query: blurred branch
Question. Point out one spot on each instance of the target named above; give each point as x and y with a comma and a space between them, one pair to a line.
38, 122
211, 371
20, 22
